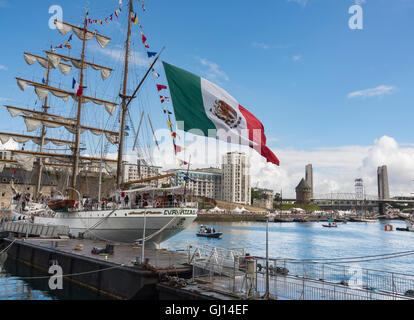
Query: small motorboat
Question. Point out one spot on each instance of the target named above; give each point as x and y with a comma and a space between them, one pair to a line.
330, 225
208, 232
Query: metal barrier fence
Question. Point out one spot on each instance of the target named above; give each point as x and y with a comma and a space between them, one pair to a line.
391, 282
232, 272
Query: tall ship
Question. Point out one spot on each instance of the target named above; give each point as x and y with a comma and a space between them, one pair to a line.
132, 210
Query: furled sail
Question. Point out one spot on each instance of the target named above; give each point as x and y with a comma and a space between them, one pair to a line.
32, 123
64, 28
21, 138
42, 91
55, 58
25, 161
46, 63
15, 111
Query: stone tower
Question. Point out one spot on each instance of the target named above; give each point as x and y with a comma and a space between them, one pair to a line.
303, 192
309, 177
383, 189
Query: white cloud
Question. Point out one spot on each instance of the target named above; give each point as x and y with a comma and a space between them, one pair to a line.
137, 58
261, 45
374, 92
301, 2
3, 67
213, 72
297, 57
335, 168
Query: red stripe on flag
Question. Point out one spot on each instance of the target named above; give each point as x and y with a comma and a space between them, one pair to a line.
256, 134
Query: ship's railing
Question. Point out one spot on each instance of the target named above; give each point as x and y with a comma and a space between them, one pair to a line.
110, 206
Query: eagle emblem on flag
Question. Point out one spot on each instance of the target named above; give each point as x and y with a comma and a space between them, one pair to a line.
226, 113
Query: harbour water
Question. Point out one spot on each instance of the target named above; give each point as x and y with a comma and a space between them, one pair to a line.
286, 240
19, 281
311, 241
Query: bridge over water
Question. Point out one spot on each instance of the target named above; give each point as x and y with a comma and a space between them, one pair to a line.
357, 197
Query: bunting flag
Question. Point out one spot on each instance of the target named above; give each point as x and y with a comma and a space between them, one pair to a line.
127, 128
163, 99
109, 17
43, 81
161, 87
135, 19
178, 149
166, 111
155, 74
151, 54
174, 135
199, 103
182, 162
144, 40
66, 44
169, 124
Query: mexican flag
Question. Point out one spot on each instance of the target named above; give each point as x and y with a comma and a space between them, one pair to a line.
200, 106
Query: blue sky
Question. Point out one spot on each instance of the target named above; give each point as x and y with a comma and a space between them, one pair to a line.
295, 64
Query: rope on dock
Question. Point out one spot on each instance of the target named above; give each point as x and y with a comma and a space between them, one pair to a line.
72, 274
8, 247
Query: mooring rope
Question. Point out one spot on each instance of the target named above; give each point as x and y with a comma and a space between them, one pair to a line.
72, 274
8, 247
135, 241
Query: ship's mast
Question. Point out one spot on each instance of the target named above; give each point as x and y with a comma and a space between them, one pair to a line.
76, 152
124, 105
40, 164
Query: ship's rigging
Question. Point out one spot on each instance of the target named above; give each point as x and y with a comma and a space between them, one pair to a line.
74, 123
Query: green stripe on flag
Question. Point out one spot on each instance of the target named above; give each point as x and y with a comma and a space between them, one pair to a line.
185, 89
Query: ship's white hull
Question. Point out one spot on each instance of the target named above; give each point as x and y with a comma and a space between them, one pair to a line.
125, 225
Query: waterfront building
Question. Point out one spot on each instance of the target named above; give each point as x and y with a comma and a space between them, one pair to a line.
140, 171
205, 182
236, 178
265, 199
383, 188
23, 182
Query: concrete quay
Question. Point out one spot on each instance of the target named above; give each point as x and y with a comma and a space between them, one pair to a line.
116, 275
